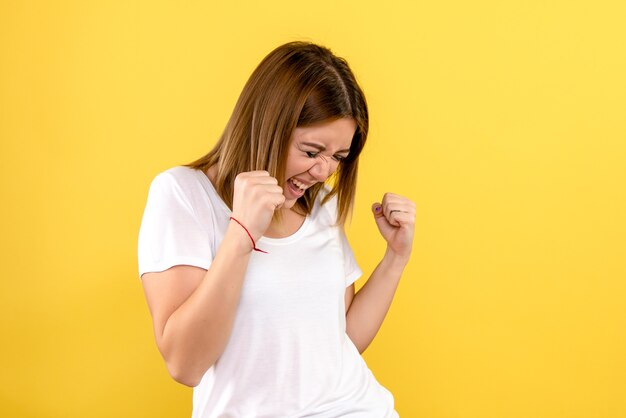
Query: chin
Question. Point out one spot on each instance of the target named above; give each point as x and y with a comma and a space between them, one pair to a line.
289, 203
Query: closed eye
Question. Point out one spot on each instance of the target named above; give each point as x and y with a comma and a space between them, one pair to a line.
338, 158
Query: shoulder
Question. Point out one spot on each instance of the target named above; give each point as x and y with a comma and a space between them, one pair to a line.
183, 184
181, 178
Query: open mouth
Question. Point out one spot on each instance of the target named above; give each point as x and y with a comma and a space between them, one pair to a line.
297, 188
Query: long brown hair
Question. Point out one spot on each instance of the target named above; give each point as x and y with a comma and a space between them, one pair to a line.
298, 84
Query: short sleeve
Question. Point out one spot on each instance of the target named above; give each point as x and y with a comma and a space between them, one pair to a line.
170, 233
352, 269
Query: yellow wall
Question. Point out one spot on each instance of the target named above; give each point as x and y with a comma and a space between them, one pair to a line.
505, 121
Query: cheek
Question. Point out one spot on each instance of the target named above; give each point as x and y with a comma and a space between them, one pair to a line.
298, 166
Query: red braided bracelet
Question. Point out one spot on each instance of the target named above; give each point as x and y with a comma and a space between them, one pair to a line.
251, 239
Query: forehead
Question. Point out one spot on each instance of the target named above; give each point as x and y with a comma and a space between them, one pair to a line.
333, 135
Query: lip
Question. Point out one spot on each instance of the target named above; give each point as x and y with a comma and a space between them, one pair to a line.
296, 191
307, 184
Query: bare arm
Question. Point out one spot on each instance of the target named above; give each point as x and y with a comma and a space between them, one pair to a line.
371, 303
366, 310
193, 309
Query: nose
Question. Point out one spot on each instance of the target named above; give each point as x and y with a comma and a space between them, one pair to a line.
323, 168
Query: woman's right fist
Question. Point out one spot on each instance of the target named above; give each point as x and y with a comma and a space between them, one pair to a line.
256, 196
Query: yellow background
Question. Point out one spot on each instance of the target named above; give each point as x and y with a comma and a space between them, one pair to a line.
505, 121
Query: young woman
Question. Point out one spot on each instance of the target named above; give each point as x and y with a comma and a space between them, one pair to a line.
245, 265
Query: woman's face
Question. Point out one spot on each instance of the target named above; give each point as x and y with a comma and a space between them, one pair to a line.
314, 154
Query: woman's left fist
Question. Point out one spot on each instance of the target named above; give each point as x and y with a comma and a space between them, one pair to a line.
395, 218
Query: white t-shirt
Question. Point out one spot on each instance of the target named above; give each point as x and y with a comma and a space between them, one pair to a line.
288, 354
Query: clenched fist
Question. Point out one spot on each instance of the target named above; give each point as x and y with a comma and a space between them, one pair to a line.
395, 219
256, 196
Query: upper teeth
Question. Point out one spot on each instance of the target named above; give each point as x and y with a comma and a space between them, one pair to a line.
300, 185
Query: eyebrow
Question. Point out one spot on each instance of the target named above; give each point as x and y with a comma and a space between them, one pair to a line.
322, 148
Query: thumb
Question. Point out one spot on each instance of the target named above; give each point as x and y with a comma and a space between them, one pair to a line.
377, 210
379, 217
